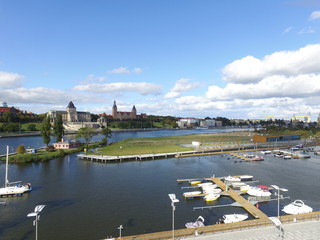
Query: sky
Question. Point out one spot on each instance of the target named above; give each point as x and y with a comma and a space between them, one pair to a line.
248, 59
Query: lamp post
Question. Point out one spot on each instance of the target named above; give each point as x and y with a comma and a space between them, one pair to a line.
120, 227
279, 189
173, 198
36, 212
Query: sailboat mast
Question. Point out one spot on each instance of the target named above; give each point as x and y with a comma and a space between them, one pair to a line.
7, 163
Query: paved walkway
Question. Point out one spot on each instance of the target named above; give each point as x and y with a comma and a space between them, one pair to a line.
309, 230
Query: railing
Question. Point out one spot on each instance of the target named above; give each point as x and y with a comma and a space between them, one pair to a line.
220, 228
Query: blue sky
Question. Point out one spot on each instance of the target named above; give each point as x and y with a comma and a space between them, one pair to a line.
184, 58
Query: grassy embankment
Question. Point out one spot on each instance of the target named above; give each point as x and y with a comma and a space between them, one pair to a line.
171, 144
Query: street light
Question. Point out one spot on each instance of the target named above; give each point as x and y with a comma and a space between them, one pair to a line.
120, 227
173, 198
36, 212
279, 189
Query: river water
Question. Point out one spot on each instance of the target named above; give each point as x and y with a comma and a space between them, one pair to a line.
89, 200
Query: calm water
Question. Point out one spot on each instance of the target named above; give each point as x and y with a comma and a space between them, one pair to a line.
86, 200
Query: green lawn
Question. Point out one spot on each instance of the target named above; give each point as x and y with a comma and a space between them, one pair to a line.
170, 144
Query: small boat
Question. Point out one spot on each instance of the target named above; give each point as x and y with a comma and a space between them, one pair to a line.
198, 223
205, 184
191, 194
287, 157
246, 177
209, 186
297, 207
195, 182
231, 218
257, 158
265, 152
212, 190
241, 186
211, 197
258, 192
9, 188
232, 179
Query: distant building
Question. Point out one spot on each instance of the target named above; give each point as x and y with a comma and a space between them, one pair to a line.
126, 115
4, 108
188, 122
70, 115
66, 144
274, 138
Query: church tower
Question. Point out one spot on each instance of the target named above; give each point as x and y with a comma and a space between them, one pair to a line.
134, 112
114, 110
72, 115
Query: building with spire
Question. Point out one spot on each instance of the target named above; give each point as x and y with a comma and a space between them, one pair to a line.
71, 115
125, 115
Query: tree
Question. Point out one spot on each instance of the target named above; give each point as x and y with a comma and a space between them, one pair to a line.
107, 133
58, 129
46, 130
21, 149
31, 127
86, 133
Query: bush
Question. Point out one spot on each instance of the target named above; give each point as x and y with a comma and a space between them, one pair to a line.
61, 152
50, 148
21, 149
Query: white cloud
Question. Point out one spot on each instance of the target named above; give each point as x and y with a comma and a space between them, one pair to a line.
288, 29
41, 95
307, 30
125, 70
250, 69
142, 88
10, 80
120, 70
137, 70
314, 15
304, 85
181, 86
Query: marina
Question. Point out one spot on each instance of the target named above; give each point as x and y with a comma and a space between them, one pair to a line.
130, 193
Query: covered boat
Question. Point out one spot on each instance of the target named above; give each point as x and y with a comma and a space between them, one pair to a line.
232, 179
231, 218
191, 194
198, 223
258, 192
211, 197
297, 207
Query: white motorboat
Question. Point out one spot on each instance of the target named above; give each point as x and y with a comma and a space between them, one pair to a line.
246, 177
198, 223
241, 186
297, 207
265, 152
232, 179
191, 194
231, 218
9, 188
287, 157
211, 197
205, 184
209, 186
212, 190
258, 192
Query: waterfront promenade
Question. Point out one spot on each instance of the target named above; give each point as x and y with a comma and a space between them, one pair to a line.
308, 230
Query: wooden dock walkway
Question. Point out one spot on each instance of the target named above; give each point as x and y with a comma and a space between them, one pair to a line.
255, 212
240, 156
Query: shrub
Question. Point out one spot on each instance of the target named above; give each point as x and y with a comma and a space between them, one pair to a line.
21, 149
50, 148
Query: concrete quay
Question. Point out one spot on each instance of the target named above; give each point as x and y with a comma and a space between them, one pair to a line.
307, 230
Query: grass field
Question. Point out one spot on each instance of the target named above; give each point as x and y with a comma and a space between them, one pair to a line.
171, 144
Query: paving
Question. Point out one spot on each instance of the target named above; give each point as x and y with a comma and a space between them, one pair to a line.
308, 230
